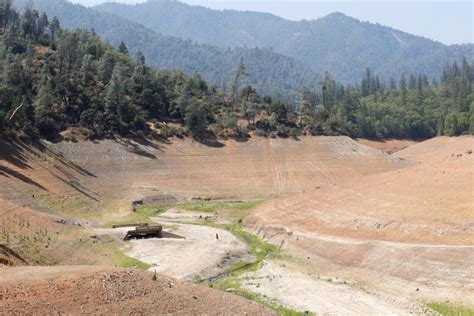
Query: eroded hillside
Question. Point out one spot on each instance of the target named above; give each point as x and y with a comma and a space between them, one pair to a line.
117, 172
343, 210
100, 290
58, 189
413, 224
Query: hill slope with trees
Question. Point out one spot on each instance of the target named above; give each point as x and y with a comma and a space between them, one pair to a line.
337, 43
270, 72
53, 80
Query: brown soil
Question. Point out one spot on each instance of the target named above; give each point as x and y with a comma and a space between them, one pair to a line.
81, 180
406, 205
22, 234
389, 146
46, 189
86, 177
256, 168
439, 149
415, 224
398, 222
41, 238
90, 290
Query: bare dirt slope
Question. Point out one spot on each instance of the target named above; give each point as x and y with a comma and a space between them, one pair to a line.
82, 180
428, 202
28, 171
90, 176
22, 231
439, 149
31, 237
320, 296
415, 224
400, 223
389, 146
258, 167
90, 290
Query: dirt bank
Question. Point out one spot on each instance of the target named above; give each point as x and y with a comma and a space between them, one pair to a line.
429, 202
258, 167
86, 290
389, 146
323, 297
413, 227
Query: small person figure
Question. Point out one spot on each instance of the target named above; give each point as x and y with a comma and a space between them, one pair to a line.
217, 236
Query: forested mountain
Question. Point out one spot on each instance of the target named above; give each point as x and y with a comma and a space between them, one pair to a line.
269, 72
53, 80
342, 45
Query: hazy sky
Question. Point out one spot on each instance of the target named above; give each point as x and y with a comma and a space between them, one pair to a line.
450, 22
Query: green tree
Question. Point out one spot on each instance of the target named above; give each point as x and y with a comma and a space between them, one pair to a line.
451, 124
44, 116
196, 120
403, 90
113, 98
239, 72
123, 48
54, 28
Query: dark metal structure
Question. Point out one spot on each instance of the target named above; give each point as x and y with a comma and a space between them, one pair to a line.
130, 225
145, 232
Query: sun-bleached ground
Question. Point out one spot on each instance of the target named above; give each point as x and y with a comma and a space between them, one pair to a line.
400, 224
413, 226
304, 292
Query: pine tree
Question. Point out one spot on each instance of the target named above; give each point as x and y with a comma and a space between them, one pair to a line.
5, 14
393, 84
45, 122
106, 67
366, 83
54, 29
140, 58
304, 105
41, 26
196, 120
123, 48
403, 90
87, 69
412, 82
419, 91
451, 125
239, 72
113, 98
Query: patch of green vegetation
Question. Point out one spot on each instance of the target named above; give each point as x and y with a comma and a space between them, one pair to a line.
74, 206
232, 285
140, 215
124, 261
212, 206
230, 279
257, 247
450, 310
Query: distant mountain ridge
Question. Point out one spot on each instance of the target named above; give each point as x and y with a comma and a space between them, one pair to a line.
270, 72
340, 44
